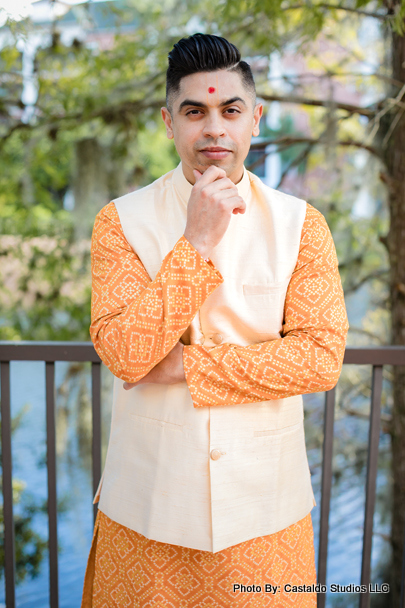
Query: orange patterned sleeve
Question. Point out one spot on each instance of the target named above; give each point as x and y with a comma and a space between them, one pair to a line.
135, 322
306, 359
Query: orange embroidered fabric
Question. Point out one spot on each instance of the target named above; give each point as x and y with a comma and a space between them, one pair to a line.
309, 355
136, 321
127, 570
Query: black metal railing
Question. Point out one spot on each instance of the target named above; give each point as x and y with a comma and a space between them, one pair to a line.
50, 352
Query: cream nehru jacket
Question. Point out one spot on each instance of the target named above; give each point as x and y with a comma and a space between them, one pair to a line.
211, 477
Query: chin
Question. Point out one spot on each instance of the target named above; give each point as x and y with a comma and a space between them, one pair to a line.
211, 161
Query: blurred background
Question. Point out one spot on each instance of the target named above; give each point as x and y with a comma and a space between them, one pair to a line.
81, 87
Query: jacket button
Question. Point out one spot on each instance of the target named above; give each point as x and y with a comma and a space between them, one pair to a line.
217, 338
215, 454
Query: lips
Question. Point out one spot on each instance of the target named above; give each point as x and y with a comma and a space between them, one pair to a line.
216, 153
215, 150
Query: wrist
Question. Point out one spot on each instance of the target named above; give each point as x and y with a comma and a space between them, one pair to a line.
203, 251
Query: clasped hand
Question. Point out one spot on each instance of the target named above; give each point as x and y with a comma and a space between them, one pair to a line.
168, 371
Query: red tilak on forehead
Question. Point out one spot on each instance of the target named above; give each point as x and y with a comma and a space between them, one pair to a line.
211, 90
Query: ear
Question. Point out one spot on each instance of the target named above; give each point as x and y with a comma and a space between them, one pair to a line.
257, 114
167, 119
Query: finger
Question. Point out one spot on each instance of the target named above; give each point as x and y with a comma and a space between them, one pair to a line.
211, 174
224, 184
237, 205
197, 174
129, 385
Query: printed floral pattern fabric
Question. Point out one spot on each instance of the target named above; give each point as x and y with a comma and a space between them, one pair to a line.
309, 355
136, 322
127, 570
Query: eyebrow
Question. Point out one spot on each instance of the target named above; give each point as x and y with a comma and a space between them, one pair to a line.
199, 104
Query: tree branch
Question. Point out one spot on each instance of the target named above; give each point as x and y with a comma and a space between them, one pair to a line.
119, 113
300, 158
334, 74
387, 418
322, 103
378, 274
291, 141
339, 7
386, 107
369, 334
349, 263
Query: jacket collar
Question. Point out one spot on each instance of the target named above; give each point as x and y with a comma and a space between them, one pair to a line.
184, 187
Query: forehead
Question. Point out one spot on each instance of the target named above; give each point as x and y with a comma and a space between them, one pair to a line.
220, 85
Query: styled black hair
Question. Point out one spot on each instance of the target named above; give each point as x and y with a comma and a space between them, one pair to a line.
204, 53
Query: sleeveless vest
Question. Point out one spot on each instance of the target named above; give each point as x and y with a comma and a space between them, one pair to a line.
212, 477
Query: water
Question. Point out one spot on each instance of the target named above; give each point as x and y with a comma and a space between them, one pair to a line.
75, 524
75, 520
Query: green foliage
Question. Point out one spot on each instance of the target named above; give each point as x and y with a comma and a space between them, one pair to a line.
110, 95
46, 288
288, 154
34, 179
303, 21
30, 546
114, 95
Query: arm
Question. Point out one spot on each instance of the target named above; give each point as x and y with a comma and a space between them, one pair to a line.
136, 322
309, 355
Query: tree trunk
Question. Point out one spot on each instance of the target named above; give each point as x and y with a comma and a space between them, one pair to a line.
98, 178
90, 185
395, 163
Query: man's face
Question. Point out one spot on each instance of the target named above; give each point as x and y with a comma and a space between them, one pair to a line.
213, 110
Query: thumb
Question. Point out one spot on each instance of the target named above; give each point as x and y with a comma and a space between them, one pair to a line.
197, 174
128, 385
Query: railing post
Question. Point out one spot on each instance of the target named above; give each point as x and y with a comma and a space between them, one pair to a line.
63, 351
52, 495
402, 601
326, 487
9, 546
96, 435
372, 461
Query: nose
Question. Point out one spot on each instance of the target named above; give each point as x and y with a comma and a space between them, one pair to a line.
214, 126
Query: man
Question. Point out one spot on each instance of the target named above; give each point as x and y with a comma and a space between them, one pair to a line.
216, 304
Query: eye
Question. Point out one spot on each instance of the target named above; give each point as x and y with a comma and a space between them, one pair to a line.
190, 112
233, 110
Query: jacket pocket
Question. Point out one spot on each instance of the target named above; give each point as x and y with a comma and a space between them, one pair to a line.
282, 431
259, 289
155, 422
264, 303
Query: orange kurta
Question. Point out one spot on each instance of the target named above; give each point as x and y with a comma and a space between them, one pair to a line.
306, 359
125, 568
